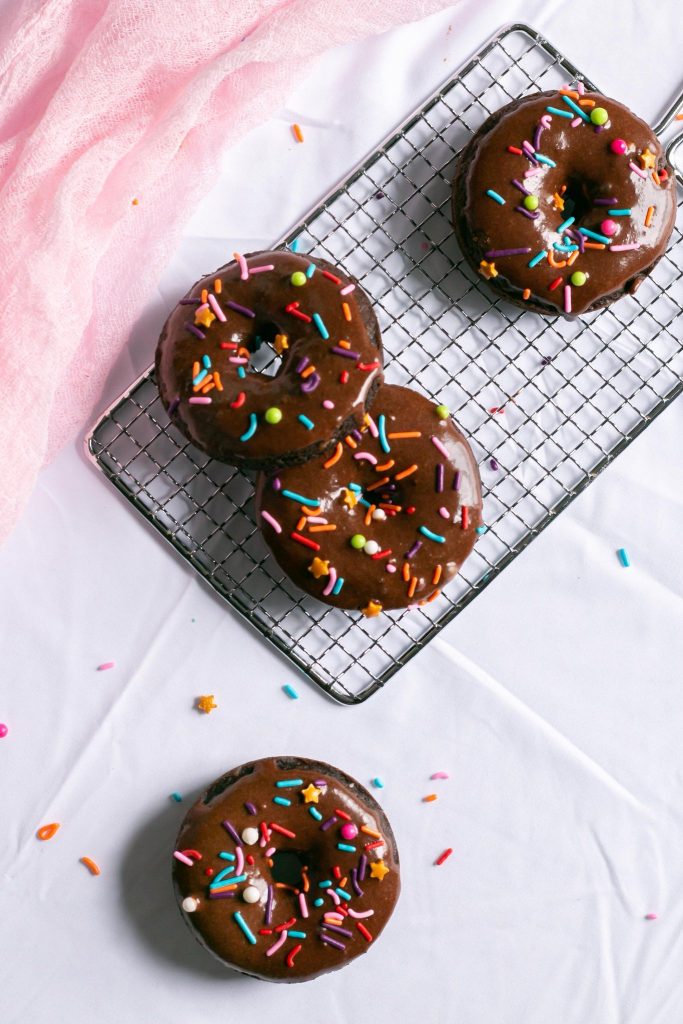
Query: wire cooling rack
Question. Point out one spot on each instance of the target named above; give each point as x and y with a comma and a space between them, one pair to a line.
550, 401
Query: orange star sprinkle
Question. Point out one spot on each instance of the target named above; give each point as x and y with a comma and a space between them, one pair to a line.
206, 704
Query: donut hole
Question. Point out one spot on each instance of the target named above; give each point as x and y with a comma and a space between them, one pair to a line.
264, 359
288, 866
579, 198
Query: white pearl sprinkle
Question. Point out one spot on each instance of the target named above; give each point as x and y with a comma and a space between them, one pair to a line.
250, 836
371, 547
379, 514
190, 904
251, 894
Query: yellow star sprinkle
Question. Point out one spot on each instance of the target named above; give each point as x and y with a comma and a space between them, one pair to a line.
371, 609
206, 703
647, 159
280, 343
378, 870
319, 568
311, 794
488, 270
350, 498
204, 317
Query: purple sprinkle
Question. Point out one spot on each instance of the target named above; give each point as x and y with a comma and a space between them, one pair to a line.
222, 895
338, 930
173, 406
537, 136
189, 302
332, 942
311, 383
194, 330
506, 252
600, 128
320, 782
251, 807
345, 352
269, 905
415, 548
605, 202
493, 464
240, 309
328, 824
363, 863
354, 882
527, 213
230, 829
439, 477
521, 187
456, 480
302, 364
356, 435
277, 483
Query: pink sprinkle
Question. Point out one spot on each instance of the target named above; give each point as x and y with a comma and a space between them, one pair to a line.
239, 860
333, 896
357, 914
199, 401
271, 520
648, 917
567, 298
303, 905
200, 309
634, 167
444, 512
276, 945
262, 268
182, 858
213, 302
372, 426
105, 665
365, 456
317, 519
270, 851
576, 122
347, 290
580, 88
439, 447
624, 248
440, 775
238, 360
330, 583
327, 404
531, 171
244, 269
390, 567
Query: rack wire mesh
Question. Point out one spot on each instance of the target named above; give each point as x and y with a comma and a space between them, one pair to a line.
550, 401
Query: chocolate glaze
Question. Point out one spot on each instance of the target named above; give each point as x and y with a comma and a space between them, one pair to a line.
366, 579
254, 783
217, 428
590, 170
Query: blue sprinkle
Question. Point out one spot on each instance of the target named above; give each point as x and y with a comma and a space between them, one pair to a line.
570, 103
494, 195
294, 245
481, 529
206, 362
251, 429
356, 487
315, 813
318, 902
297, 935
290, 691
623, 557
318, 321
382, 431
619, 213
220, 878
289, 783
200, 377
564, 248
377, 783
432, 536
282, 800
595, 235
299, 497
310, 270
245, 927
338, 585
565, 224
177, 797
346, 847
343, 893
545, 160
362, 501
309, 424
324, 885
537, 258
241, 372
224, 855
560, 113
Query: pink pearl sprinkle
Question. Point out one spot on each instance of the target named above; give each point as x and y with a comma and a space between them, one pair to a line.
327, 404
444, 512
618, 146
390, 568
349, 830
3, 730
105, 665
609, 227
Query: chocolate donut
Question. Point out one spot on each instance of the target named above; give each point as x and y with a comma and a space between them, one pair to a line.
320, 322
388, 518
563, 201
286, 869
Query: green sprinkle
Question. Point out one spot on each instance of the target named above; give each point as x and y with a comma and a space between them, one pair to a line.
245, 927
599, 115
273, 415
530, 202
443, 412
578, 278
298, 278
357, 541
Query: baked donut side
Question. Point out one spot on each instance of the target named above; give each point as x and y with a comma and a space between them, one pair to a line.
387, 519
315, 318
561, 213
286, 868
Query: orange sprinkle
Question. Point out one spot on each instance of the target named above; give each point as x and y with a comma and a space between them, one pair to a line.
301, 524
310, 511
433, 597
344, 344
334, 458
679, 117
437, 575
308, 371
350, 441
412, 587
385, 465
322, 529
90, 865
380, 483
205, 295
217, 378
368, 515
218, 286
209, 386
48, 831
569, 92
200, 386
574, 256
298, 134
346, 311
135, 202
428, 799
195, 369
586, 103
242, 351
370, 832
593, 245
402, 474
656, 178
405, 433
406, 571
555, 263
526, 294
648, 216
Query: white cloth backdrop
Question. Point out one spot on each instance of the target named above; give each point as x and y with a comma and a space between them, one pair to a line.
554, 701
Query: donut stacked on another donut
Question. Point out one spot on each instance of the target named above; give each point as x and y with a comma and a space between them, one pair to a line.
286, 869
563, 201
320, 322
387, 519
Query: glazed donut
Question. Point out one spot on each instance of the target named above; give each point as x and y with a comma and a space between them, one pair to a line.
286, 869
320, 322
563, 201
387, 519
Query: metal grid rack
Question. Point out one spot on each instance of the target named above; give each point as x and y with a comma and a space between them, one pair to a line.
570, 395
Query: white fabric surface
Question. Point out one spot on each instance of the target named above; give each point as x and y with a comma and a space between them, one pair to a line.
554, 701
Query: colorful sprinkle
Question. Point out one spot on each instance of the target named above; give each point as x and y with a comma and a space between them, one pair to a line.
244, 310
293, 496
290, 691
309, 424
432, 536
105, 666
623, 557
444, 856
251, 429
91, 865
537, 258
494, 195
46, 832
251, 938
322, 330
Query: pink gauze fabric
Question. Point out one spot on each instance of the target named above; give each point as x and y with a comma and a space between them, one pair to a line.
102, 101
